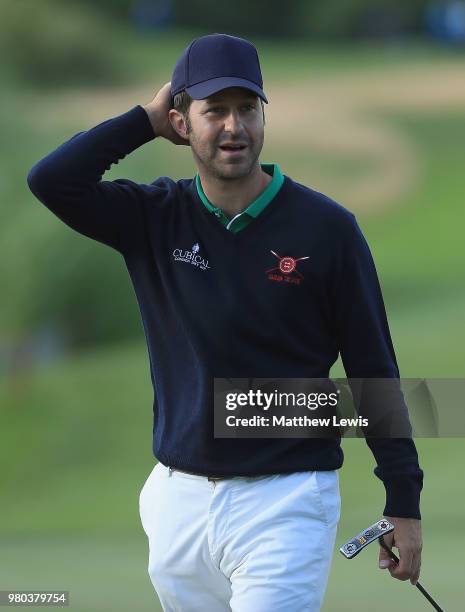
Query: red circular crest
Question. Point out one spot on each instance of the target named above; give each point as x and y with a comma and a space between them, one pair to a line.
287, 265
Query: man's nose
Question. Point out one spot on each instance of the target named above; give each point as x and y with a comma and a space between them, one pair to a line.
232, 122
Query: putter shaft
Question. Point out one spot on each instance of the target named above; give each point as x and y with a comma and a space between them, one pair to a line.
418, 585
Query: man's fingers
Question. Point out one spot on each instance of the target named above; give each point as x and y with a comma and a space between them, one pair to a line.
406, 537
416, 565
385, 560
388, 539
403, 569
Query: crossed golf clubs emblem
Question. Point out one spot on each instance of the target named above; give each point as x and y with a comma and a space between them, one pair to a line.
287, 264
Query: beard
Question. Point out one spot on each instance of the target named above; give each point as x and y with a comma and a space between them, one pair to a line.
209, 156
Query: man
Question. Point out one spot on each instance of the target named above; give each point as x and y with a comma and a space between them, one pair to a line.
236, 524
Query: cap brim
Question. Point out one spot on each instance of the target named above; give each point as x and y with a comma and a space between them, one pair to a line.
203, 90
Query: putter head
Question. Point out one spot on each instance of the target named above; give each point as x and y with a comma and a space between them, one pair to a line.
351, 548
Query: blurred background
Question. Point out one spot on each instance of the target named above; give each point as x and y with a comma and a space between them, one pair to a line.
366, 105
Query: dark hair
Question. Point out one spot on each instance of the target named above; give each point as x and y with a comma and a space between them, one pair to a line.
182, 102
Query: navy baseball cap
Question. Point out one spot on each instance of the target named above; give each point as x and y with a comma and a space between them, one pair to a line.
214, 62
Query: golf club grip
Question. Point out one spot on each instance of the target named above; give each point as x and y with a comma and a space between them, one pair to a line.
418, 585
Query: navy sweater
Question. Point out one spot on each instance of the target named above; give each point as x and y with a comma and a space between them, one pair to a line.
225, 314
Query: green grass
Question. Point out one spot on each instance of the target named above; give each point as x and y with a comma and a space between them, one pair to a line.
70, 495
102, 574
426, 227
110, 575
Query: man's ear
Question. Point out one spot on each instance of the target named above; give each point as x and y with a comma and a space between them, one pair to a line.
178, 123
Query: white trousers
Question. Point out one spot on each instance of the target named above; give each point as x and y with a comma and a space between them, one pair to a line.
243, 544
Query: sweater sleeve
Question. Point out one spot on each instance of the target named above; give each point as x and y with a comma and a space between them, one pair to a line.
68, 180
367, 352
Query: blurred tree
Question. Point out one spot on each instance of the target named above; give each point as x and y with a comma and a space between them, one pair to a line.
359, 18
241, 18
49, 44
70, 292
111, 8
305, 18
328, 18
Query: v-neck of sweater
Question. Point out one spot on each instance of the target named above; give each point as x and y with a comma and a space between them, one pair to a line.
243, 219
255, 224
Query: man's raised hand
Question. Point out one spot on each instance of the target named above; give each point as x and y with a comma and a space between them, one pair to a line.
158, 113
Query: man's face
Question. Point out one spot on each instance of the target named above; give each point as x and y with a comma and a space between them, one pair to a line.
233, 117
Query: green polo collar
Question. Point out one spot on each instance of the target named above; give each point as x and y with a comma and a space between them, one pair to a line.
255, 208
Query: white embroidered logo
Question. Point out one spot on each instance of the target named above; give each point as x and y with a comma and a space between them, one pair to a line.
192, 257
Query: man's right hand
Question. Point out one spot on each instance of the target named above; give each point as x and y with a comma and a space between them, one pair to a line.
158, 112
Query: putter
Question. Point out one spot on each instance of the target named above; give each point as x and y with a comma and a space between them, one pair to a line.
376, 532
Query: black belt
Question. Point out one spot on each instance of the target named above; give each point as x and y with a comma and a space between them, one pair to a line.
208, 476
